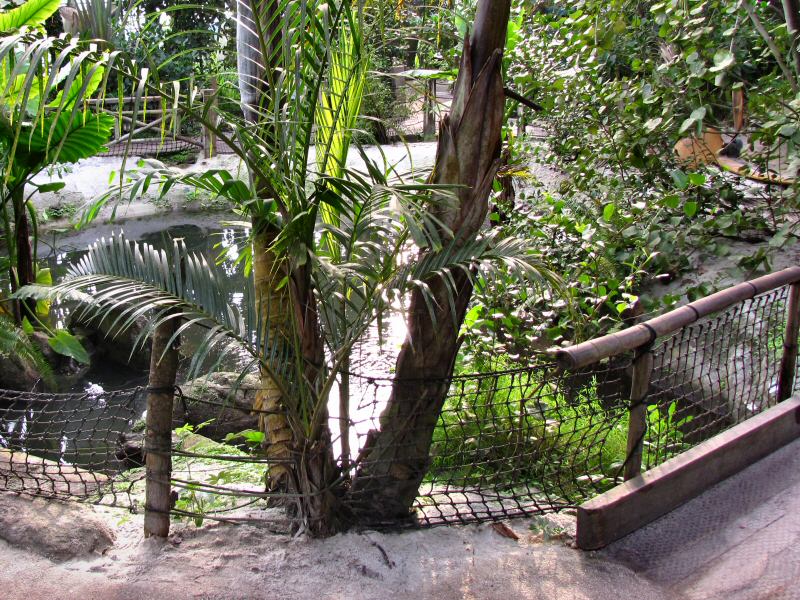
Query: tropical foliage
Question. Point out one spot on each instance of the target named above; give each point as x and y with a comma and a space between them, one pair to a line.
332, 247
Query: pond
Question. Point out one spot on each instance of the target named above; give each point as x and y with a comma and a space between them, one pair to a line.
72, 434
205, 235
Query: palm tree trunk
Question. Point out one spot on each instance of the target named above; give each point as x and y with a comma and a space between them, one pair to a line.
273, 317
303, 465
468, 154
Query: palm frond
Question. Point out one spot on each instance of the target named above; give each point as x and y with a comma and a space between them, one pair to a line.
123, 282
15, 342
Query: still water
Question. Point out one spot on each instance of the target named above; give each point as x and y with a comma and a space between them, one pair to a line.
84, 429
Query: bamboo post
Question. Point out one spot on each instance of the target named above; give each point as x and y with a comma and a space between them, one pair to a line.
789, 358
158, 442
637, 424
429, 112
209, 138
344, 413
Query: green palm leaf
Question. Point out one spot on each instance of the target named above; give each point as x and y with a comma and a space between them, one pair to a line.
31, 14
65, 139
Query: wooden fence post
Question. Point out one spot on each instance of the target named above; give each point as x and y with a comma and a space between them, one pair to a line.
209, 137
158, 442
637, 424
789, 358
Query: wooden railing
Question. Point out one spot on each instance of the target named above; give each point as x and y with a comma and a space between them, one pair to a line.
640, 339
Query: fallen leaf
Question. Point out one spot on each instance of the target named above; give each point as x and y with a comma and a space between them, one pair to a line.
504, 530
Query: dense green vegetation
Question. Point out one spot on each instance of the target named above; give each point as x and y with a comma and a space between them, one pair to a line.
615, 86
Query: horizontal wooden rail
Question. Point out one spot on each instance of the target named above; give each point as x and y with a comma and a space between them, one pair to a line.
648, 496
125, 100
593, 351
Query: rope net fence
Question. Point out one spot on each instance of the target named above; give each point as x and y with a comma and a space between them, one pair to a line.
518, 442
66, 446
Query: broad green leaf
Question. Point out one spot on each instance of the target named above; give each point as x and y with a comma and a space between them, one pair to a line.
61, 142
26, 326
67, 344
651, 124
697, 116
50, 187
697, 178
723, 59
690, 209
680, 179
31, 14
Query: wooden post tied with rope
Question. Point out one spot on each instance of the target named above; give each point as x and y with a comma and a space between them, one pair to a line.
158, 441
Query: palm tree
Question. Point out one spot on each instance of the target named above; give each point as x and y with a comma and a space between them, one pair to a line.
327, 245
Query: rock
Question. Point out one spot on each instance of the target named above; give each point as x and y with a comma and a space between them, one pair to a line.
54, 529
16, 373
111, 343
210, 399
207, 402
130, 448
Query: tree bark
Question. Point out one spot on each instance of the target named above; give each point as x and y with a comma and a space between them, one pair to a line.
24, 271
303, 464
791, 14
397, 457
273, 317
158, 441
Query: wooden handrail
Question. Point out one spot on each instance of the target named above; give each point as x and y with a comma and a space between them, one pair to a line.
640, 335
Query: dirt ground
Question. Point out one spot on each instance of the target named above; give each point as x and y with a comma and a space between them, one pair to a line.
230, 562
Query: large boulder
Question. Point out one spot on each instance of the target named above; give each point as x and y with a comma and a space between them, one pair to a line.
214, 401
54, 529
17, 373
217, 400
111, 343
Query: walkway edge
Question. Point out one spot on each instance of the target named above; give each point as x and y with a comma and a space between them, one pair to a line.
644, 498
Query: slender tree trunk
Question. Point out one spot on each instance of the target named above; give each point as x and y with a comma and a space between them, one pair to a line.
397, 457
791, 13
273, 321
315, 466
24, 271
158, 444
304, 466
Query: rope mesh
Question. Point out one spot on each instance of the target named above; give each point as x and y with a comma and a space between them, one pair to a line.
518, 442
65, 446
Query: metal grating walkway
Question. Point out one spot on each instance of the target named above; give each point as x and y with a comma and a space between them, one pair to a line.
740, 540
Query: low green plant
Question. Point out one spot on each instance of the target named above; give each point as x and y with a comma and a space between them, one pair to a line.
520, 428
62, 210
208, 465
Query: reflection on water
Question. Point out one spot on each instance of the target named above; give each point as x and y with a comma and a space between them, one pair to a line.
83, 430
373, 356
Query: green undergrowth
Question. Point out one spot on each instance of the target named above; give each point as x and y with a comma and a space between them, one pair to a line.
501, 431
563, 437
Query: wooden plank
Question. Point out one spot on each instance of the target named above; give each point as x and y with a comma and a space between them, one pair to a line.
637, 422
647, 497
789, 358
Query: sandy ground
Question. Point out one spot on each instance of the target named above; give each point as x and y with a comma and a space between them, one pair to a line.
246, 562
